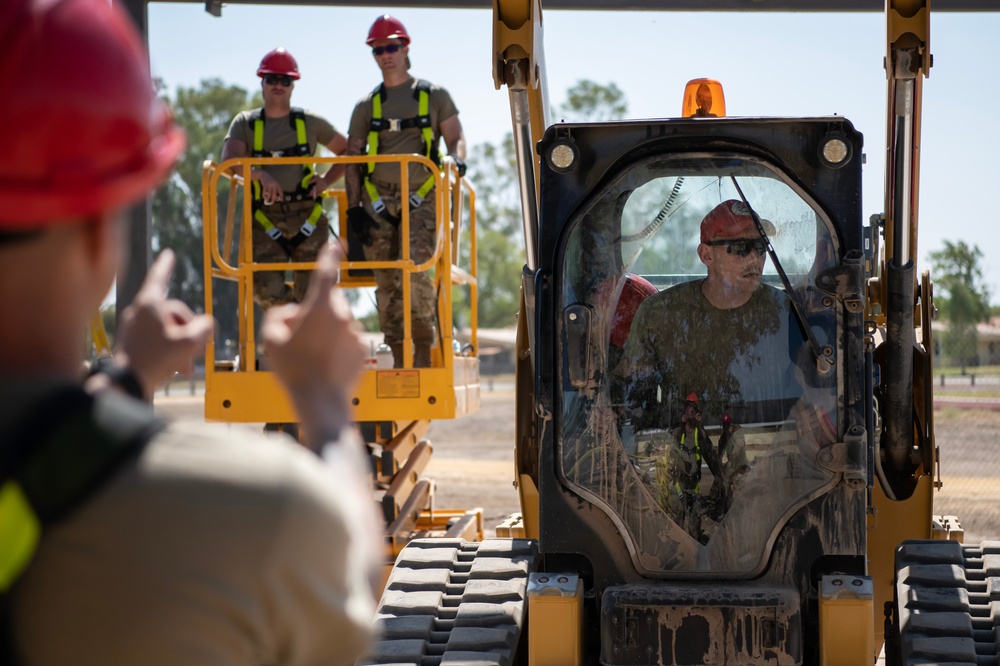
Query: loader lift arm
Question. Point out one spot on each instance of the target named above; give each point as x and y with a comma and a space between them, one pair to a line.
519, 63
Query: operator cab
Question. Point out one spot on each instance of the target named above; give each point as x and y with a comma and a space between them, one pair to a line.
710, 454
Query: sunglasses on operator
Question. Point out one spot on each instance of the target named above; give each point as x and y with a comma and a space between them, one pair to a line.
276, 79
741, 247
388, 48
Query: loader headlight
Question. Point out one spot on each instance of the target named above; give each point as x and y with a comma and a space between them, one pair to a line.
835, 151
562, 156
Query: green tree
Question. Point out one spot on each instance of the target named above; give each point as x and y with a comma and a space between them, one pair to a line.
963, 299
587, 101
204, 112
493, 169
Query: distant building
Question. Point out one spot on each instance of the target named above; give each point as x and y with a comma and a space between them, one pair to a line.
987, 341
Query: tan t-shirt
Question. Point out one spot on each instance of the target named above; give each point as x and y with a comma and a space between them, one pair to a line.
401, 102
217, 547
280, 134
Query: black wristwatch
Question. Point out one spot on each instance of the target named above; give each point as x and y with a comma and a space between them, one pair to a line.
120, 375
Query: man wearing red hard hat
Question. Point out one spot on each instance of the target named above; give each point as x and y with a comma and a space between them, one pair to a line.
289, 222
402, 115
711, 335
124, 538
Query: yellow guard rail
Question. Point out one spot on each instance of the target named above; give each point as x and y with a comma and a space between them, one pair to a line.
241, 391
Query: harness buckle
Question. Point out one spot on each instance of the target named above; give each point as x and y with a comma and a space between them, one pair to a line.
378, 206
415, 200
395, 124
274, 233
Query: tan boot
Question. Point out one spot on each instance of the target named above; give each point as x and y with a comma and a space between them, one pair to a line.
421, 355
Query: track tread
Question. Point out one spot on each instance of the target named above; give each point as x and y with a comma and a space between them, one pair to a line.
449, 602
948, 603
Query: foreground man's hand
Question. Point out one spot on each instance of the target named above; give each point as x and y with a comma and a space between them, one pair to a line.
159, 336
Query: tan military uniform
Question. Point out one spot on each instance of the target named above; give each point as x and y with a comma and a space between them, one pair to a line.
401, 102
215, 547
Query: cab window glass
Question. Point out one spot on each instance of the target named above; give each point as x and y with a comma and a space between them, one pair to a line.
695, 398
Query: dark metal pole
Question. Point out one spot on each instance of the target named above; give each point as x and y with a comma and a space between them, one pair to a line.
138, 249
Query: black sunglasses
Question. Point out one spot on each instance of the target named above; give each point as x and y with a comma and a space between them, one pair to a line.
275, 79
741, 247
388, 48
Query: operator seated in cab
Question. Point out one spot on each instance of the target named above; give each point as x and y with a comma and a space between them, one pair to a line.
725, 345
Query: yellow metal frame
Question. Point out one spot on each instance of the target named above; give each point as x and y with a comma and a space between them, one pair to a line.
240, 392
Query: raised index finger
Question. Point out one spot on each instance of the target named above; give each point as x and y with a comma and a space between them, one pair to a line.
158, 278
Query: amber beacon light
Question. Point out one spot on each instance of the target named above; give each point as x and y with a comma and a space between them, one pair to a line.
703, 98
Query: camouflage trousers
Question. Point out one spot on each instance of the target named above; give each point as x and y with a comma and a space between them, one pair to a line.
385, 246
269, 287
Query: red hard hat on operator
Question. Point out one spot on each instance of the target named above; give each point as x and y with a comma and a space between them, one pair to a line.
387, 27
86, 132
278, 61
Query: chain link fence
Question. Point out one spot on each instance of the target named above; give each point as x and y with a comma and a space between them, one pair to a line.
967, 427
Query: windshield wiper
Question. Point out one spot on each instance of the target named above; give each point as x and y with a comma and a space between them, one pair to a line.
824, 358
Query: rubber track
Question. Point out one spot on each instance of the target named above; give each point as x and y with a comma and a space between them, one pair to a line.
449, 601
948, 603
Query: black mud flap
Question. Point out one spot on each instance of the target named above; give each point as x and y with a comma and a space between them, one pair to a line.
668, 623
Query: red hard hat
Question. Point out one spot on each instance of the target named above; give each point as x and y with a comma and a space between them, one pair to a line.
278, 61
635, 290
86, 132
726, 418
731, 219
387, 27
691, 397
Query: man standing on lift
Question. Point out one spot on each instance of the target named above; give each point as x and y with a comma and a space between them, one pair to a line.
402, 115
289, 222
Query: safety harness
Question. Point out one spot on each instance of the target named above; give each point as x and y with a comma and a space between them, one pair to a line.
697, 460
68, 446
379, 124
297, 118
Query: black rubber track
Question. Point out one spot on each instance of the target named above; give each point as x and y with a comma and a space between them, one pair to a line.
948, 603
449, 601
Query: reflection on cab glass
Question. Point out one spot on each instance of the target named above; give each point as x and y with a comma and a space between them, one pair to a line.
711, 390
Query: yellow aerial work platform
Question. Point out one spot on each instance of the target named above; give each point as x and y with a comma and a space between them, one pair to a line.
392, 407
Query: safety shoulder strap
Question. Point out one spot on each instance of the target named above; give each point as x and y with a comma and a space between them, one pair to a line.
422, 121
66, 447
296, 118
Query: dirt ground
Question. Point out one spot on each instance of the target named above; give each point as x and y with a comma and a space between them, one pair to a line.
473, 461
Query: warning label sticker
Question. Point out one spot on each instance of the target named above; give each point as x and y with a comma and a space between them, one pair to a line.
397, 384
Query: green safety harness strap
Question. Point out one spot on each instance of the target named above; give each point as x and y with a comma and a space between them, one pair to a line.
379, 124
68, 446
297, 118
697, 458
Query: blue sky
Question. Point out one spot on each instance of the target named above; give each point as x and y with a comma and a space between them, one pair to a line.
770, 64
